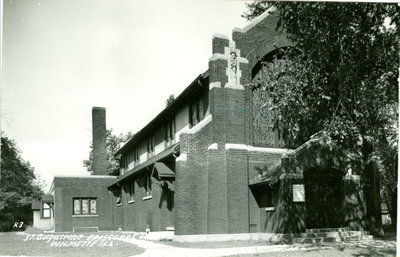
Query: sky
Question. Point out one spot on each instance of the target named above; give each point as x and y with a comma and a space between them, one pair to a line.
62, 57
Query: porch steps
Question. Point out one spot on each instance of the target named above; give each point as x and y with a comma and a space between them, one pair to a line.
325, 235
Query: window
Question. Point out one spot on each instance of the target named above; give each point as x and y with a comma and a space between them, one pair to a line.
46, 212
197, 111
298, 193
150, 147
118, 194
147, 184
124, 162
84, 206
200, 107
193, 114
136, 156
132, 190
170, 132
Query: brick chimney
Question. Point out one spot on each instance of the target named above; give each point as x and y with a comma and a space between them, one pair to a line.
99, 165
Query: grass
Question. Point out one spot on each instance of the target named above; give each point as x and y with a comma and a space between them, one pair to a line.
12, 243
15, 243
374, 248
335, 252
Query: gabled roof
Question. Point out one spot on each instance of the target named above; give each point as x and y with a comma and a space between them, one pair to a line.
192, 89
257, 20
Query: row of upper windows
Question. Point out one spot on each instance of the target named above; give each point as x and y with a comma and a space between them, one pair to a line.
198, 109
169, 140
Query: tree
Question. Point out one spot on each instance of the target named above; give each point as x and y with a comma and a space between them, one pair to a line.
170, 100
18, 186
113, 143
339, 81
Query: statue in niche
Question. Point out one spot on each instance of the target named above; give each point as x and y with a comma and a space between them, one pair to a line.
233, 62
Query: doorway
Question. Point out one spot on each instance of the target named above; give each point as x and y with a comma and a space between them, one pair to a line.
324, 198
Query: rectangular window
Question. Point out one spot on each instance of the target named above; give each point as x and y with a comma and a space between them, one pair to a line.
147, 184
124, 162
84, 206
170, 132
119, 196
200, 110
193, 114
93, 206
136, 156
46, 212
197, 110
150, 147
298, 193
132, 190
77, 206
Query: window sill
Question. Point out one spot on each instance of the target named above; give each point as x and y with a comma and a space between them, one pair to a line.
85, 216
147, 197
131, 201
119, 204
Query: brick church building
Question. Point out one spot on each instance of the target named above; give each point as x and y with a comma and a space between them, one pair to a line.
196, 168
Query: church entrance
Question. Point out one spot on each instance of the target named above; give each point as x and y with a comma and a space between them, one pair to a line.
324, 197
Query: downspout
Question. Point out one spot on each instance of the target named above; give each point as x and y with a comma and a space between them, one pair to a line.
248, 192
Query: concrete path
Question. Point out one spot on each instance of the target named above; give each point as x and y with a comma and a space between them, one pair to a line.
161, 250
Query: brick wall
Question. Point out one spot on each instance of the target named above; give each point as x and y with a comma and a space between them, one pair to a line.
66, 188
138, 213
99, 164
261, 39
212, 182
237, 191
259, 219
192, 183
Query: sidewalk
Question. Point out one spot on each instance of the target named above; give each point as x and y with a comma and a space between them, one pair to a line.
161, 250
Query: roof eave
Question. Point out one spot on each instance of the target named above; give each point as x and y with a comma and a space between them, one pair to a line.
136, 170
174, 105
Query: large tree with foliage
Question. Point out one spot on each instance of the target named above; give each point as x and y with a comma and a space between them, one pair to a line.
18, 186
339, 81
113, 143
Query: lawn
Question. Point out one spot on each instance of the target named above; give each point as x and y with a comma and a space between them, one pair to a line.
83, 244
36, 243
381, 247
351, 252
